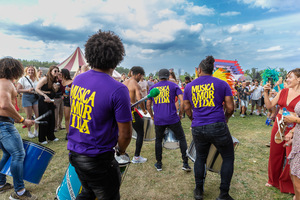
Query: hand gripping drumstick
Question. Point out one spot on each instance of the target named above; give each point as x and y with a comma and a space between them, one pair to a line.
37, 120
43, 115
153, 93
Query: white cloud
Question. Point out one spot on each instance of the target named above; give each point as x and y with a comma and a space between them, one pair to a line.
226, 40
271, 49
196, 28
240, 28
272, 4
199, 10
232, 13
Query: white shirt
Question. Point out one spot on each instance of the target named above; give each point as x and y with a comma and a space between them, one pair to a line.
144, 85
257, 92
25, 83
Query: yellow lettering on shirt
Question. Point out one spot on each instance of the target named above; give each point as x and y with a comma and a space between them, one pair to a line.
203, 95
83, 101
164, 95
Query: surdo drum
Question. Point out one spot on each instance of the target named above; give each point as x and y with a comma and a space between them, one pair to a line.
149, 128
214, 160
71, 186
170, 141
37, 158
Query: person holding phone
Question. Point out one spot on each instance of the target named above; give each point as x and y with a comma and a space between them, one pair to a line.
279, 177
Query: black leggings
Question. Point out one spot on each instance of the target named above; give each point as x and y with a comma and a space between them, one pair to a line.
46, 131
138, 126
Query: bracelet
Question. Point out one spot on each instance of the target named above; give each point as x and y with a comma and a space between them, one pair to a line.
22, 120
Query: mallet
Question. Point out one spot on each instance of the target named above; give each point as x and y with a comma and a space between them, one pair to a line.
153, 93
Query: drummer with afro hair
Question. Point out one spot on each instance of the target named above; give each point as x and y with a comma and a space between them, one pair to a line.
100, 119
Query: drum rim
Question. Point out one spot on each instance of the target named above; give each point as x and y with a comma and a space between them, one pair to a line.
41, 147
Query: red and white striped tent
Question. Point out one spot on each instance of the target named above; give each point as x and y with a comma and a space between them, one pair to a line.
73, 62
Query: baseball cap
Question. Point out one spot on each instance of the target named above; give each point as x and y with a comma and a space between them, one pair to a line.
163, 73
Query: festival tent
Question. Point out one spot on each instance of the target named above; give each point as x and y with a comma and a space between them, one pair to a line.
73, 62
116, 75
77, 59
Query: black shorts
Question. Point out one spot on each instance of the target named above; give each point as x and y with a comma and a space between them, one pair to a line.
67, 101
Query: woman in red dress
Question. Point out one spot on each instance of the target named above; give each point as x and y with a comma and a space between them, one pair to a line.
287, 98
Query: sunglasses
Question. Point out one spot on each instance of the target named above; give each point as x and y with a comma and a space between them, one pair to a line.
56, 71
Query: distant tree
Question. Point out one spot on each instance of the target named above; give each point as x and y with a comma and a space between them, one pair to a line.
151, 74
247, 72
282, 72
37, 63
122, 70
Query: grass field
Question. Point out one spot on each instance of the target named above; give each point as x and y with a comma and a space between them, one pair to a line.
144, 182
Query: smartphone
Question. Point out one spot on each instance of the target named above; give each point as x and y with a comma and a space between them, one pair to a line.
79, 67
270, 80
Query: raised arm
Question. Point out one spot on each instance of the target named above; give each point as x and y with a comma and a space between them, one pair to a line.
270, 104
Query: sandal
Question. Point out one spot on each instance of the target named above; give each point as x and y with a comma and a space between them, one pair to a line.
268, 185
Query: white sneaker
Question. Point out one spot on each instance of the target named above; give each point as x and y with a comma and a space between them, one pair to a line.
30, 134
138, 159
55, 140
36, 133
45, 142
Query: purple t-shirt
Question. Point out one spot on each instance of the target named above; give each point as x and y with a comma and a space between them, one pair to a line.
98, 102
206, 95
164, 104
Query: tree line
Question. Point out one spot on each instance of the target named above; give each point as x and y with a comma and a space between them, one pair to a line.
254, 73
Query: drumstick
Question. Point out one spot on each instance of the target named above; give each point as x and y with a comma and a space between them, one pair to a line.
43, 115
41, 122
153, 93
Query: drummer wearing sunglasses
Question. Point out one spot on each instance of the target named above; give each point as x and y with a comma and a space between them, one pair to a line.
10, 139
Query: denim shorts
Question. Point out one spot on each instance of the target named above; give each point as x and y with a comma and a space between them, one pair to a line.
28, 100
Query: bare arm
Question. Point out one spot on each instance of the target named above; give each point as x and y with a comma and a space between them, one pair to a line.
229, 107
180, 97
21, 90
270, 104
138, 95
188, 109
149, 108
42, 82
125, 133
7, 106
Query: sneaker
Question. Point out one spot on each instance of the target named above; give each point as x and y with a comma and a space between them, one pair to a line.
30, 134
45, 142
36, 133
243, 116
186, 167
55, 140
138, 159
158, 166
25, 196
251, 113
198, 195
7, 186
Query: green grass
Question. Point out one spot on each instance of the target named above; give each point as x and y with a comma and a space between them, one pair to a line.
144, 182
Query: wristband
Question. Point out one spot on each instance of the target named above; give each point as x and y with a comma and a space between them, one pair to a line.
22, 120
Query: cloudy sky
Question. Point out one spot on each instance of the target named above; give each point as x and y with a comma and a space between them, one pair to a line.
157, 33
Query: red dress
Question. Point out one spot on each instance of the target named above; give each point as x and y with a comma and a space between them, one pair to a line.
279, 177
